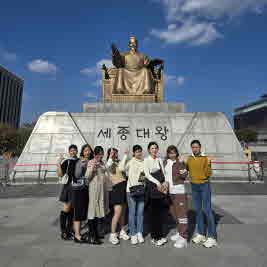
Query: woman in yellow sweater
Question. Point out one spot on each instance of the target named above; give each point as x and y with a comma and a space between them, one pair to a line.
199, 168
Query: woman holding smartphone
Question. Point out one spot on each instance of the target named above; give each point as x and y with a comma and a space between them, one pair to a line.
157, 189
98, 188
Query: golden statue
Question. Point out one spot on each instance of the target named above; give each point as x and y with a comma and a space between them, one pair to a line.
135, 78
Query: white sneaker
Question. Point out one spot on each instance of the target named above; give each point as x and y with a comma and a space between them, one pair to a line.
140, 238
180, 243
210, 242
164, 240
113, 239
124, 235
134, 240
175, 237
157, 243
198, 238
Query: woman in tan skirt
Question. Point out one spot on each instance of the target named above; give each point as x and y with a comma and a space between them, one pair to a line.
98, 188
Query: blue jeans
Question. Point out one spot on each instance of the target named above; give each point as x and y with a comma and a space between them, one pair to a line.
136, 214
201, 197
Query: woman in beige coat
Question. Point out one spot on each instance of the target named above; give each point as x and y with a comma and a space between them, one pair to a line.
98, 188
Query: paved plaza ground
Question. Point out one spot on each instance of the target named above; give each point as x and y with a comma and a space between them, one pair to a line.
29, 234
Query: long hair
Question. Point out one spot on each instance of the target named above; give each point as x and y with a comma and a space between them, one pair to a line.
170, 149
91, 155
109, 151
152, 144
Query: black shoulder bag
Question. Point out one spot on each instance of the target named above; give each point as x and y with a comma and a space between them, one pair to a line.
137, 191
152, 188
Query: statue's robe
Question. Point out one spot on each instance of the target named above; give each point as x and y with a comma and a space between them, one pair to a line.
134, 78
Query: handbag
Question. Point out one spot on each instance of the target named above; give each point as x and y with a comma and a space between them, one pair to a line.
79, 184
65, 178
137, 191
153, 190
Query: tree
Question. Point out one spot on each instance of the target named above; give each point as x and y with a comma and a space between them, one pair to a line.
7, 137
246, 135
12, 139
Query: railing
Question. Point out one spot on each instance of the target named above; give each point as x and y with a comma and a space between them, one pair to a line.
256, 166
4, 174
39, 170
252, 166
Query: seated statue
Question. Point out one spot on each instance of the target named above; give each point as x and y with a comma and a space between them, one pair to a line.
135, 71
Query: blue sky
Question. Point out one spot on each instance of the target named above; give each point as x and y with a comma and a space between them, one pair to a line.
214, 50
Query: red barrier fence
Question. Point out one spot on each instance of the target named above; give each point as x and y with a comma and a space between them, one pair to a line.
212, 162
252, 166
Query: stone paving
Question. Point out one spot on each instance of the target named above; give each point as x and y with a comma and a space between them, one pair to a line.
29, 233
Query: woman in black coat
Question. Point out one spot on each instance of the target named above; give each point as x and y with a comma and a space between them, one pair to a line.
66, 215
80, 196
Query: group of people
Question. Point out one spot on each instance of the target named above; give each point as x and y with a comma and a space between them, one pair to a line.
94, 187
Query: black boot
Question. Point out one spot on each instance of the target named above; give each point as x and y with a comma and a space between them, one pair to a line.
92, 239
90, 232
100, 228
69, 229
96, 234
63, 225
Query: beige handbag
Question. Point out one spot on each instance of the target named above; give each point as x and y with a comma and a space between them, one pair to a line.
65, 178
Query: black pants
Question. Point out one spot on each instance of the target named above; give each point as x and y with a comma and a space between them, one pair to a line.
156, 212
79, 201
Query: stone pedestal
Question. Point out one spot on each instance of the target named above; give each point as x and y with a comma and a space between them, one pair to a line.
124, 125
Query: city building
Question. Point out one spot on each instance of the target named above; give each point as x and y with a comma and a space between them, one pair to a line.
11, 89
254, 116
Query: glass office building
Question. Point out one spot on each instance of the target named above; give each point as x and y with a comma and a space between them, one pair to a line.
11, 89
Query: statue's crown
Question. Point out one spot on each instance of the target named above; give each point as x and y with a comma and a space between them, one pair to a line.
132, 39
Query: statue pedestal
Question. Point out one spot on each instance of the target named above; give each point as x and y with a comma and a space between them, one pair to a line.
133, 107
124, 125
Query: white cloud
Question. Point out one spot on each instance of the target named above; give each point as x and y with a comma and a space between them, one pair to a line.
175, 9
196, 21
97, 68
177, 80
190, 31
42, 66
